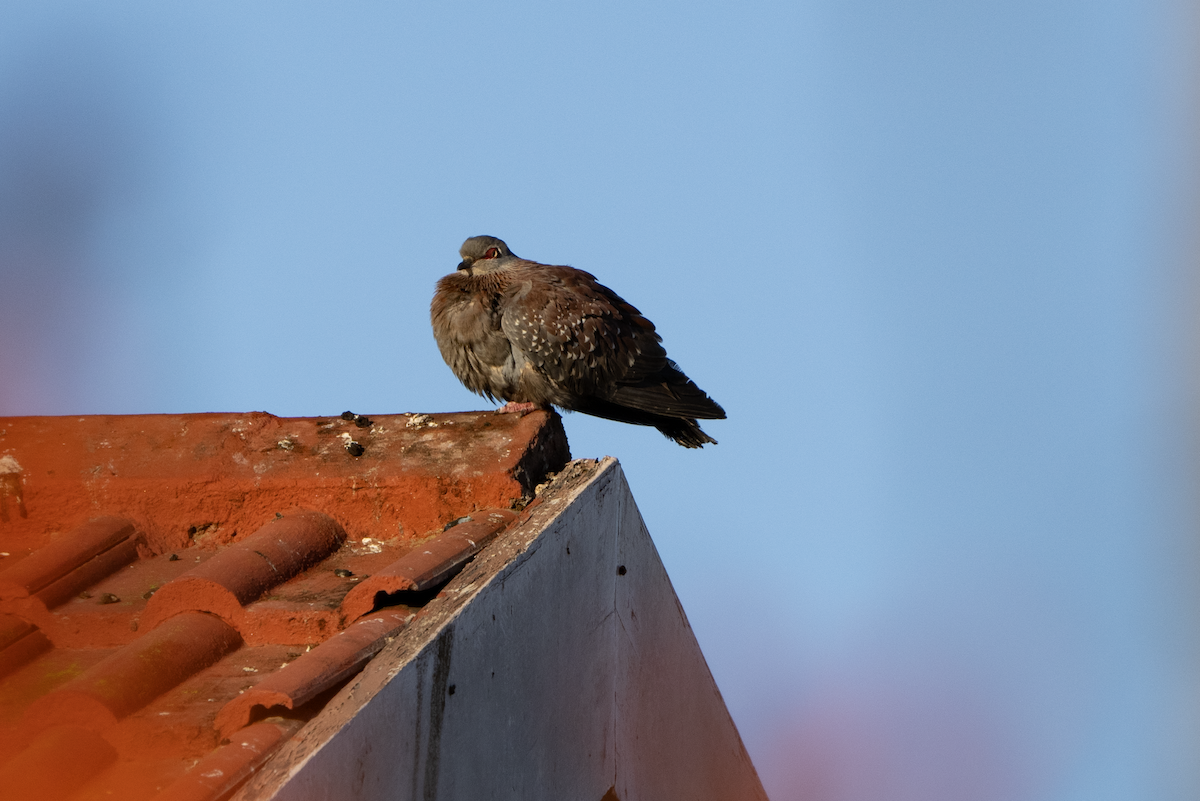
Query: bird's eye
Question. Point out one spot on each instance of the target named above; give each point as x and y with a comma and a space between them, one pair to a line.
491, 253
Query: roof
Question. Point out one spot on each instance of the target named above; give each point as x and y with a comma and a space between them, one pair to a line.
558, 664
179, 594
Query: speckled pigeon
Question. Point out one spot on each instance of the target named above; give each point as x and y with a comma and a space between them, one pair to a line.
537, 335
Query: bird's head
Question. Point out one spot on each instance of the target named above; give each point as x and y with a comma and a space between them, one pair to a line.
484, 254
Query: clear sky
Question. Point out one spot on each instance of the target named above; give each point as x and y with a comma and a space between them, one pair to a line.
930, 256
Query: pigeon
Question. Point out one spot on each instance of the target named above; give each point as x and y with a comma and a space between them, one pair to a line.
539, 335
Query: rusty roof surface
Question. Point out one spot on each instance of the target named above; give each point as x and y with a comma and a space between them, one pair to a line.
179, 594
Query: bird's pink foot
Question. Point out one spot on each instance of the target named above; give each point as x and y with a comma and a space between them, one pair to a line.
516, 408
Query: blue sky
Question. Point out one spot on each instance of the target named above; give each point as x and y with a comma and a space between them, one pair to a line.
929, 256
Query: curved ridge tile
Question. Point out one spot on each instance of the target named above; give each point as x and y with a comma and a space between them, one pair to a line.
429, 563
90, 572
57, 762
225, 768
52, 562
20, 642
340, 656
134, 675
242, 572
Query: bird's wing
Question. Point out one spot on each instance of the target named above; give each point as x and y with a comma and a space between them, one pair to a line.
668, 392
578, 333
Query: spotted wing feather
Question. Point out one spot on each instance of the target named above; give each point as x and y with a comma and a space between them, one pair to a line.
576, 332
593, 345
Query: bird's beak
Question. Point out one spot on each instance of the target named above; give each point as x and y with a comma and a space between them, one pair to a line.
464, 265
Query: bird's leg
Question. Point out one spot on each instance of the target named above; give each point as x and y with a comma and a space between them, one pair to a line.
516, 408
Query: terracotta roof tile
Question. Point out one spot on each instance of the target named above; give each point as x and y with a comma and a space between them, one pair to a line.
430, 563
56, 763
133, 675
179, 593
297, 682
64, 559
226, 767
242, 572
19, 643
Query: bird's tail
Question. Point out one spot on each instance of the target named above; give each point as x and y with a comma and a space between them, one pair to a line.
685, 432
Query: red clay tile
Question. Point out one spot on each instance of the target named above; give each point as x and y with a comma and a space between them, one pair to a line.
230, 765
429, 563
179, 724
90, 572
199, 479
55, 764
283, 622
54, 561
19, 643
242, 572
320, 669
142, 628
134, 675
12, 628
77, 559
